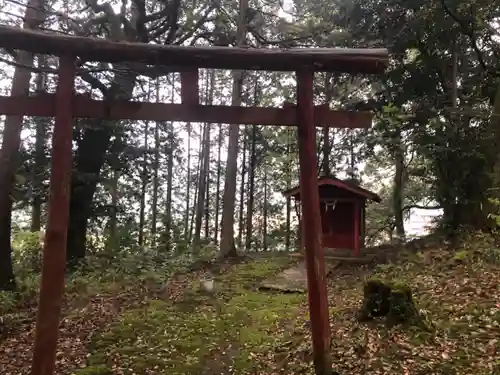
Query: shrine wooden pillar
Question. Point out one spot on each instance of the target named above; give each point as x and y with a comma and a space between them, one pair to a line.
363, 224
54, 249
189, 87
311, 225
357, 212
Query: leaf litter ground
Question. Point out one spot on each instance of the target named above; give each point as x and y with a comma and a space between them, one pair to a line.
133, 329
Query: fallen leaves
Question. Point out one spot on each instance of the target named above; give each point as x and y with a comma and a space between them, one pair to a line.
124, 329
83, 316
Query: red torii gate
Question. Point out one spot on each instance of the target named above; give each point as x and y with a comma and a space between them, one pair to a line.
64, 106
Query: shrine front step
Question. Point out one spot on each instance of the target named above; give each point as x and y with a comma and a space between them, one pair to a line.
342, 256
293, 279
338, 252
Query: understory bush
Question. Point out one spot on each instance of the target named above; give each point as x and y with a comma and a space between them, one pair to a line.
102, 267
26, 252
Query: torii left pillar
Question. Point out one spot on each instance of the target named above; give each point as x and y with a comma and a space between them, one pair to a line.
54, 248
311, 225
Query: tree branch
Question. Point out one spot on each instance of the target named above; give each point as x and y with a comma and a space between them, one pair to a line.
410, 206
173, 20
198, 24
139, 7
83, 73
469, 31
94, 82
114, 19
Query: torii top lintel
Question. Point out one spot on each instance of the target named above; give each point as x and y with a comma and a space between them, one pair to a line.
347, 60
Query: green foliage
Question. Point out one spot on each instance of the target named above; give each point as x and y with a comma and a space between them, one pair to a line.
208, 253
461, 255
101, 271
143, 267
8, 302
495, 214
478, 247
27, 252
492, 255
27, 264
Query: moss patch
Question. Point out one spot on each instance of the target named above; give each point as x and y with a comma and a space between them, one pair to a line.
229, 331
95, 370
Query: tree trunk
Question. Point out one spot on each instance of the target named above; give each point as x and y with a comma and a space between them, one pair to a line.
207, 195
352, 160
494, 151
33, 18
168, 201
156, 180
264, 214
197, 191
93, 146
144, 185
217, 190
227, 247
188, 184
202, 201
211, 88
288, 186
242, 191
326, 130
40, 159
169, 152
251, 190
90, 158
464, 197
202, 179
398, 186
112, 241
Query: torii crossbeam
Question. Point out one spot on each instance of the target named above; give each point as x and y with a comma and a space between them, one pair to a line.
65, 106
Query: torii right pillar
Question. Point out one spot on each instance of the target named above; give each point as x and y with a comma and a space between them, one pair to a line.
311, 225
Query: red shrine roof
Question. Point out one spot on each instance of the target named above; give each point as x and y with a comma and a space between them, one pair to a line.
340, 184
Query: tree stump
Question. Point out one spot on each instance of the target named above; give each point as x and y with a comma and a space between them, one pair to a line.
392, 301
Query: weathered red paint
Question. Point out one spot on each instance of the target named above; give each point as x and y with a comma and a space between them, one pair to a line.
363, 224
314, 252
83, 106
325, 182
179, 58
190, 93
338, 224
356, 222
54, 250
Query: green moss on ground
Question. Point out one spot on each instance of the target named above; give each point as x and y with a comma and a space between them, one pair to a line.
240, 330
229, 331
458, 299
95, 370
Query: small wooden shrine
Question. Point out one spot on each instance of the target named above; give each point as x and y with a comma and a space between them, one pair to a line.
342, 207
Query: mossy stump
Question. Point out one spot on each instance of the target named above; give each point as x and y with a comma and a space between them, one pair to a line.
392, 301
